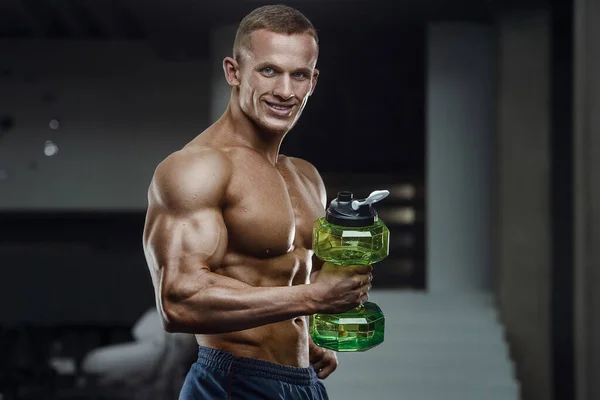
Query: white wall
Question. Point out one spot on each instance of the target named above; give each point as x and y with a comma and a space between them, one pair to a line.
121, 108
460, 107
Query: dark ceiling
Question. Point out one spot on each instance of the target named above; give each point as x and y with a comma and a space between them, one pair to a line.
153, 19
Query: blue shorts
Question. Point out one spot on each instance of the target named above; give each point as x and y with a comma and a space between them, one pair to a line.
221, 375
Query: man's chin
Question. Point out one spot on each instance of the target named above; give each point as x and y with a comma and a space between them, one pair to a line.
280, 128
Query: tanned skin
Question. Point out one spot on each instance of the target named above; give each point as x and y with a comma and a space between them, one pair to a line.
228, 233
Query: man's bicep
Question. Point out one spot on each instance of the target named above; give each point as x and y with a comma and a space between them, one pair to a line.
198, 239
184, 248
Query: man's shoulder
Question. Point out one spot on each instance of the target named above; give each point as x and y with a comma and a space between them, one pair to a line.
311, 172
313, 175
193, 159
305, 167
192, 169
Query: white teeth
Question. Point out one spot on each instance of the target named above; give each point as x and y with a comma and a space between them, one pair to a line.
279, 107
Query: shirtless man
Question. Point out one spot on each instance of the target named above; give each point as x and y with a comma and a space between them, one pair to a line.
228, 233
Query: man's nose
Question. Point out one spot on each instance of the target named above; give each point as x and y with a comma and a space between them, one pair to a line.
284, 88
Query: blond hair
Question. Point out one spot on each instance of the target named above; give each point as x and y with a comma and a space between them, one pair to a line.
275, 18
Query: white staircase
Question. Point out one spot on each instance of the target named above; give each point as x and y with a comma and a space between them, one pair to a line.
437, 347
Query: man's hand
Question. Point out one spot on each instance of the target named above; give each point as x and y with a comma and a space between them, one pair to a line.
324, 361
337, 289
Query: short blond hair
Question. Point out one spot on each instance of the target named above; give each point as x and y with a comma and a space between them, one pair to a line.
275, 18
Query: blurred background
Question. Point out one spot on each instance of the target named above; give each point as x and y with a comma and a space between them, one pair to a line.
480, 117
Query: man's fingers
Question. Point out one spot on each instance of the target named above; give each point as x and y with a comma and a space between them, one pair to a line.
362, 269
319, 365
325, 372
364, 282
364, 297
326, 365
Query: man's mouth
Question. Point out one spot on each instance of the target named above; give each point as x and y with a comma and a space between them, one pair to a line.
280, 109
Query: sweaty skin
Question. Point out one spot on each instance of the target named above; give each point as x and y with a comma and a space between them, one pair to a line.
228, 232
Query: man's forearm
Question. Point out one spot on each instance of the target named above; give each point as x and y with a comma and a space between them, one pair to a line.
227, 305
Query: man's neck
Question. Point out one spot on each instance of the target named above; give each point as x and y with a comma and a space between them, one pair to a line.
236, 127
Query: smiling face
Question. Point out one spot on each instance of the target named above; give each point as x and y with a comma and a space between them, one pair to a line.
276, 75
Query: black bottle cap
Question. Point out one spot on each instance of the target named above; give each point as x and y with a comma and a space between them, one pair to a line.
340, 212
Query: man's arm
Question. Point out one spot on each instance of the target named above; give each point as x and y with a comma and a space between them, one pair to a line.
185, 237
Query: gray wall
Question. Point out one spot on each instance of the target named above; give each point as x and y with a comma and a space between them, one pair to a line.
121, 110
73, 283
221, 46
587, 197
460, 133
523, 197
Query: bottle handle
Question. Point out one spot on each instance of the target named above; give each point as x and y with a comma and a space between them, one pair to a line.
374, 197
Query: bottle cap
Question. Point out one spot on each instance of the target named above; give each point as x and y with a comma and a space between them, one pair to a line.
345, 210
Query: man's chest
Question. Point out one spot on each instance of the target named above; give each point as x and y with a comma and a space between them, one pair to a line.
270, 211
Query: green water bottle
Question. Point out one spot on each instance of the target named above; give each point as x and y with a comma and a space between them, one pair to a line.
351, 233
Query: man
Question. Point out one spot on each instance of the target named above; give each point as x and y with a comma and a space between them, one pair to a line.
228, 233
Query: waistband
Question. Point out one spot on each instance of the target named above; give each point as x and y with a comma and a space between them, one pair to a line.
225, 361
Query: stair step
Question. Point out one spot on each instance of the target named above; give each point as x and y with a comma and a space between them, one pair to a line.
481, 324
421, 358
448, 346
401, 391
424, 297
433, 371
421, 377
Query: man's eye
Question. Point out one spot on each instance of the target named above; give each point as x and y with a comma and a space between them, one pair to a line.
300, 75
268, 71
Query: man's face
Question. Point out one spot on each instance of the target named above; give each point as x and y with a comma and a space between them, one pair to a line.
277, 75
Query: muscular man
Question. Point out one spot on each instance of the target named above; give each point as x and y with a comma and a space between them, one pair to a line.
228, 233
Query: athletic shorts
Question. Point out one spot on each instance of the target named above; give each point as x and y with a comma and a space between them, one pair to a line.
219, 375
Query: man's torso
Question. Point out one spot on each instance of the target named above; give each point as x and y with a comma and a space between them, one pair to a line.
269, 213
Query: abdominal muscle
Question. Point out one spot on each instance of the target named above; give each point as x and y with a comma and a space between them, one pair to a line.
284, 342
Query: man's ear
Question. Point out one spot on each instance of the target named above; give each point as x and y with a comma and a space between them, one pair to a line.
232, 71
314, 78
